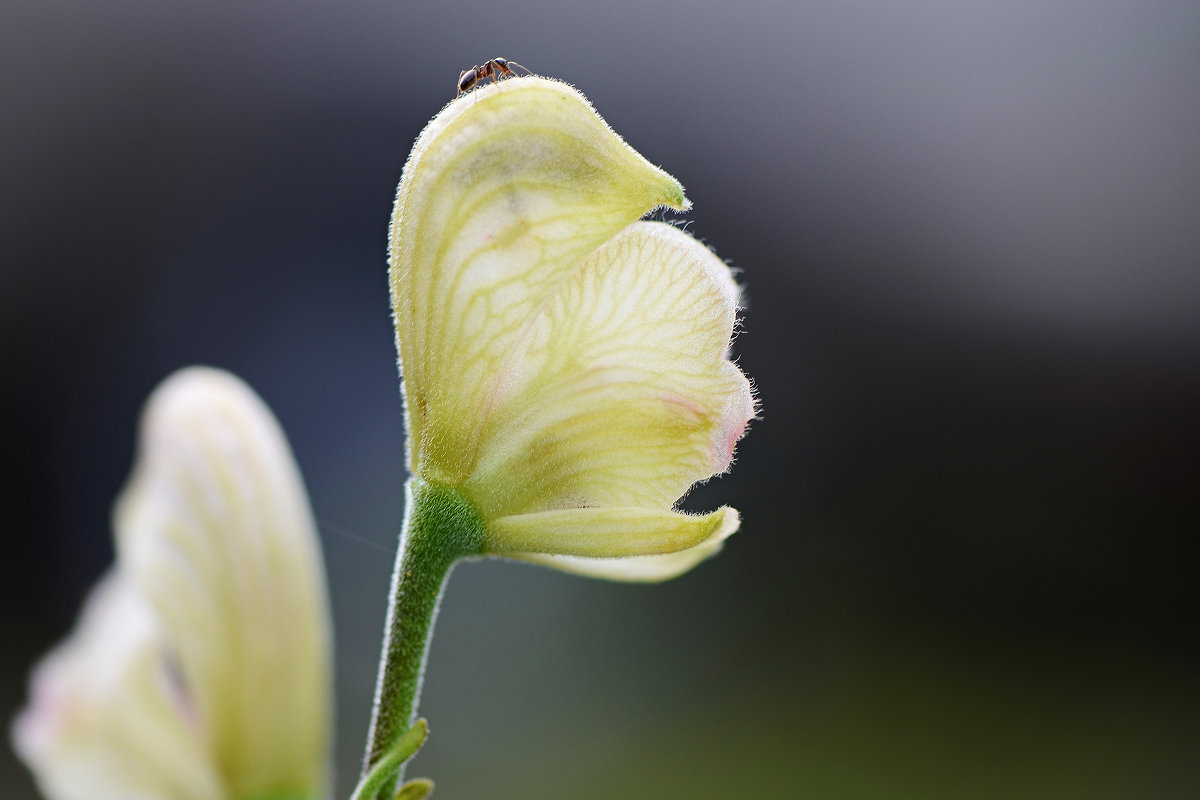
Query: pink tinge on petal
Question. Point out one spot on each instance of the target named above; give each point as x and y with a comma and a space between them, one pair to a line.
739, 410
684, 405
38, 726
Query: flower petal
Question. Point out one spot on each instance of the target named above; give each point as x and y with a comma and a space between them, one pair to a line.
215, 529
506, 192
622, 395
106, 719
607, 532
636, 569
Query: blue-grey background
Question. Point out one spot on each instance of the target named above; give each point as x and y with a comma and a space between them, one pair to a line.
970, 236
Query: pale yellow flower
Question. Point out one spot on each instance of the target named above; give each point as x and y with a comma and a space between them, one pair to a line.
566, 367
200, 667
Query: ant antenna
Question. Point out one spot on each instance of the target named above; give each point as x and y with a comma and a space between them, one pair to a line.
511, 63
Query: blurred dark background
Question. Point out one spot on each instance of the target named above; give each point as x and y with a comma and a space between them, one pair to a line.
970, 236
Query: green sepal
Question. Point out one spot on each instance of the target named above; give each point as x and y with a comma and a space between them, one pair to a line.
386, 769
416, 789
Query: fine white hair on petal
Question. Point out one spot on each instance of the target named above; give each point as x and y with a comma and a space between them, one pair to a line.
561, 357
626, 396
503, 196
740, 408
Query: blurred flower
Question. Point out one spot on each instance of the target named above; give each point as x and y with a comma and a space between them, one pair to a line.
200, 667
566, 367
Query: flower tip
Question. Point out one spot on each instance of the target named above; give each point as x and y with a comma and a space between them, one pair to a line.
676, 200
731, 520
190, 391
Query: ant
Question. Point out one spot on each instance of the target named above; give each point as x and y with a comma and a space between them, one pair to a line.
493, 68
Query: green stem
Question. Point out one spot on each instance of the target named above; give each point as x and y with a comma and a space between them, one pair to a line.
440, 527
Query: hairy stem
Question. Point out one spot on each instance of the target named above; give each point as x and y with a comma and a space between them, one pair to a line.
440, 527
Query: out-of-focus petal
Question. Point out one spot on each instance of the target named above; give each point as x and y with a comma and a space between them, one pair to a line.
505, 193
214, 528
108, 718
621, 394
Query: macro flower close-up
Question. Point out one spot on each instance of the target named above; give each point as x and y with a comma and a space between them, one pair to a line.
566, 368
200, 668
694, 401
